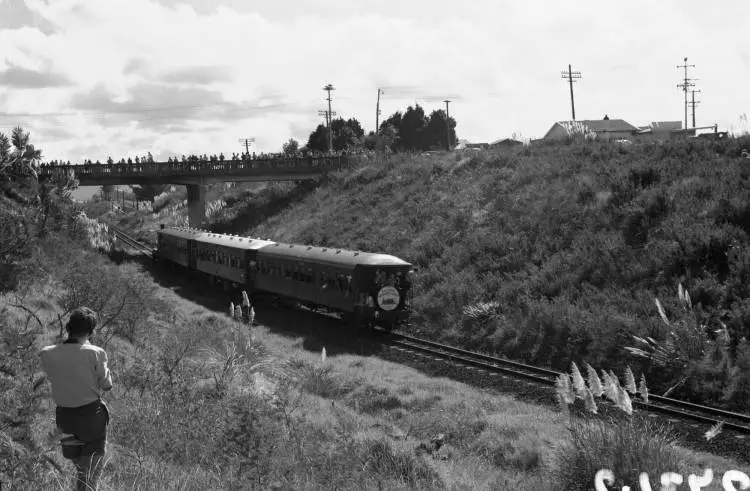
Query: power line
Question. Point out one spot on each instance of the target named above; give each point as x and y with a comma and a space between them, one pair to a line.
685, 85
571, 76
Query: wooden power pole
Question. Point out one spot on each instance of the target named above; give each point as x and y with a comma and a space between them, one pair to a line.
685, 86
246, 142
694, 103
571, 76
447, 124
328, 88
377, 114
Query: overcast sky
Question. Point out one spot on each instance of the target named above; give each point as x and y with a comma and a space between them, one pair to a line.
92, 78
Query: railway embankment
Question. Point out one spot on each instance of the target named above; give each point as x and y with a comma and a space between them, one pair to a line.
554, 254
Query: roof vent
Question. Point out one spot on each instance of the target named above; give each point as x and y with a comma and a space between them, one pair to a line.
309, 247
338, 252
356, 253
324, 249
291, 245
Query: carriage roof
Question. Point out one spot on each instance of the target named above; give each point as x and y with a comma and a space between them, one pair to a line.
205, 237
329, 255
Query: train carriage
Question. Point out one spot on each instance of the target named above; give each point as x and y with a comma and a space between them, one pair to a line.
226, 259
369, 289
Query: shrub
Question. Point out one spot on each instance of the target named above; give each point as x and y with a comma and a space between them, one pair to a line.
627, 448
388, 464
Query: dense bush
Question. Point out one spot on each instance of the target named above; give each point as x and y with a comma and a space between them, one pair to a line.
571, 242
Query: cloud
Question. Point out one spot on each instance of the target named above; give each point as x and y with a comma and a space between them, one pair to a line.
197, 75
136, 66
15, 14
24, 78
171, 107
191, 75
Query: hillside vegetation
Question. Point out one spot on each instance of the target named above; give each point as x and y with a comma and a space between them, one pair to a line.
200, 402
554, 253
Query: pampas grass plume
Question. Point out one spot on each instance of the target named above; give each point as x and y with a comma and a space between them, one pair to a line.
563, 388
643, 389
630, 381
594, 383
624, 402
578, 384
589, 403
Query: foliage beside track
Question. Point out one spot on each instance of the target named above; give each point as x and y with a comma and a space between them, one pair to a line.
555, 253
197, 404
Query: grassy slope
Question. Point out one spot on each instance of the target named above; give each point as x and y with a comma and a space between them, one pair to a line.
348, 422
572, 243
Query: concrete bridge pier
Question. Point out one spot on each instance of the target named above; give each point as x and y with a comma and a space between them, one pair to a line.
196, 198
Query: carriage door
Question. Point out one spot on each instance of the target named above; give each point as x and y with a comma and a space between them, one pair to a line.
192, 253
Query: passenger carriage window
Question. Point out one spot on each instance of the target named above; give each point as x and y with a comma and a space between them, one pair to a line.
310, 275
324, 280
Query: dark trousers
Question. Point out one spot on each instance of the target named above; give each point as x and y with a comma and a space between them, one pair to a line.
89, 424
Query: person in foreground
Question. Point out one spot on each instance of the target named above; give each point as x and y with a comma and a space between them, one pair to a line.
79, 375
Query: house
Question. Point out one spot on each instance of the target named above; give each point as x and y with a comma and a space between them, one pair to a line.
464, 144
663, 130
600, 129
505, 143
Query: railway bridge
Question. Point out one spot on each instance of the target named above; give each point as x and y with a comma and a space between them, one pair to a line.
196, 174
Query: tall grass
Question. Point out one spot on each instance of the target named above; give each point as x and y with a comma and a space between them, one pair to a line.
627, 448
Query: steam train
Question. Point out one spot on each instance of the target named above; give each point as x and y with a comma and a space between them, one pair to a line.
366, 289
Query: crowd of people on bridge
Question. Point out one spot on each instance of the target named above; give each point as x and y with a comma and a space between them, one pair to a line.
236, 157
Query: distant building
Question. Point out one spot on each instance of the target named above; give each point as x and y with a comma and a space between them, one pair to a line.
663, 130
600, 129
505, 143
462, 144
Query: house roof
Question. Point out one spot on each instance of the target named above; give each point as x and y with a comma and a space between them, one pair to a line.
604, 125
667, 125
508, 141
596, 125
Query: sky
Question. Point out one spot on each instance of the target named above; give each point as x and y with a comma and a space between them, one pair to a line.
98, 78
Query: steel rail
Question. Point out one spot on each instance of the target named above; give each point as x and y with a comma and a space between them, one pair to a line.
132, 242
659, 404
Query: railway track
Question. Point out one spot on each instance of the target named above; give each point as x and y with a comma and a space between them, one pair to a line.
674, 408
133, 243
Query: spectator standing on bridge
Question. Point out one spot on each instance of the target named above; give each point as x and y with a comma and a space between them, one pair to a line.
79, 375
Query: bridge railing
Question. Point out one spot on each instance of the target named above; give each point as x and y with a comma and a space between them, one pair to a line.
309, 165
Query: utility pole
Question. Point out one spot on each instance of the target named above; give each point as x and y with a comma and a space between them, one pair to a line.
447, 124
685, 85
328, 88
693, 103
571, 76
377, 115
247, 142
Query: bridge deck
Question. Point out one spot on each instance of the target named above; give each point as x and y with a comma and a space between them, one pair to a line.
198, 172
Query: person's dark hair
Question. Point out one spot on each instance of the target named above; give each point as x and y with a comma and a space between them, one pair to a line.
82, 322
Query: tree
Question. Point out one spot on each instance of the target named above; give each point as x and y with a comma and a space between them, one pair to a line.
290, 148
415, 131
148, 192
346, 134
318, 139
107, 191
435, 133
19, 161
